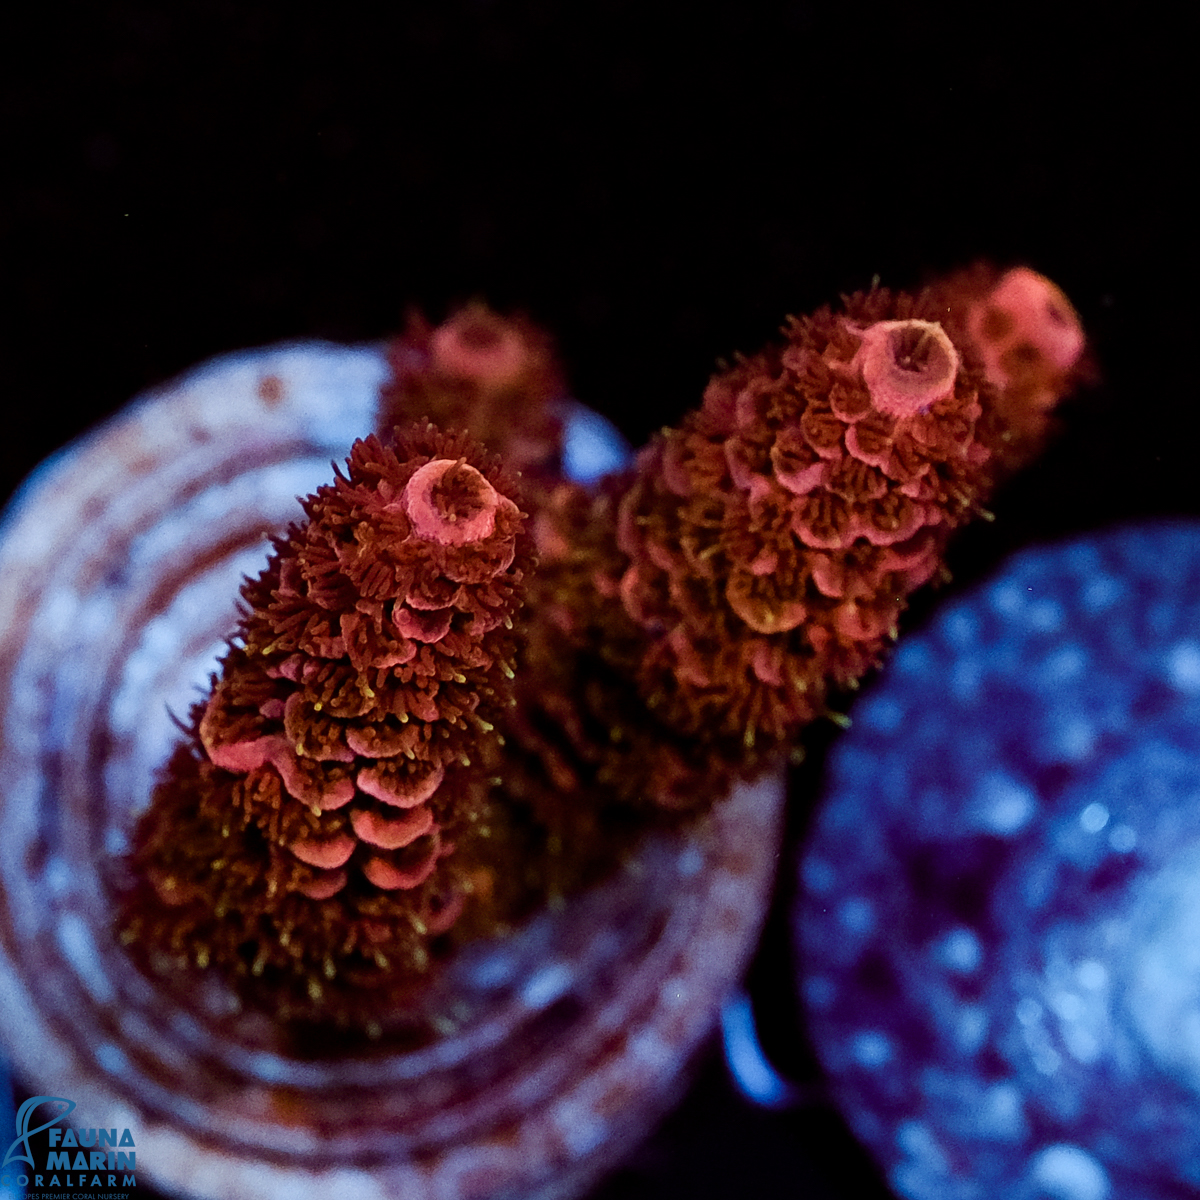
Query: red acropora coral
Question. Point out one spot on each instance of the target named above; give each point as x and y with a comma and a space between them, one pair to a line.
1031, 344
495, 376
689, 619
302, 840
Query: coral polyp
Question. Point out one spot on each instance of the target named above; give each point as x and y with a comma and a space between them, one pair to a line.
303, 836
450, 503
907, 366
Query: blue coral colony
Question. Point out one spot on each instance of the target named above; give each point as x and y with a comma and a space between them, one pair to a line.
998, 908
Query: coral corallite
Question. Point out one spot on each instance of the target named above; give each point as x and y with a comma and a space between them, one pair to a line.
496, 377
302, 840
762, 552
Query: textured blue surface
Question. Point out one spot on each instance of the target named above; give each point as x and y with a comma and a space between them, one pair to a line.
999, 919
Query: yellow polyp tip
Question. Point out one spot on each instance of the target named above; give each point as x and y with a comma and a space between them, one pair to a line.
420, 926
509, 673
317, 706
202, 958
381, 960
409, 754
460, 679
314, 990
840, 720
508, 623
466, 762
404, 718
330, 969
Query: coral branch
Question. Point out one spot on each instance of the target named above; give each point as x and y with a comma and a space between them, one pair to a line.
304, 838
690, 619
495, 377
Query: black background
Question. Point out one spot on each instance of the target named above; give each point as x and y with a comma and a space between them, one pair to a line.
658, 185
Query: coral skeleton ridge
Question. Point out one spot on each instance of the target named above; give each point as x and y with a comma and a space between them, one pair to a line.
688, 618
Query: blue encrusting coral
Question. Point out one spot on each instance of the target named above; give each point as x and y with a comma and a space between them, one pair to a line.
999, 917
